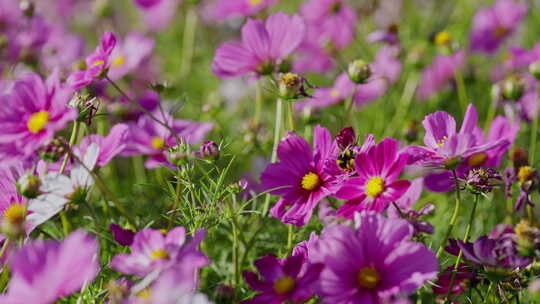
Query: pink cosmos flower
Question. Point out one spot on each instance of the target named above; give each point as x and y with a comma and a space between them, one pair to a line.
263, 46
376, 185
493, 24
45, 271
96, 64
371, 263
282, 280
33, 111
436, 76
109, 146
148, 137
502, 134
225, 9
154, 250
299, 177
129, 54
331, 21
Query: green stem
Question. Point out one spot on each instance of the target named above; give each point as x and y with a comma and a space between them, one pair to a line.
188, 42
349, 107
277, 136
66, 225
454, 216
462, 93
138, 167
4, 247
235, 247
290, 237
290, 112
488, 292
258, 103
176, 200
465, 239
491, 114
404, 102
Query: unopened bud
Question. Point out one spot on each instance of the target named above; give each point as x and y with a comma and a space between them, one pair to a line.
290, 86
359, 71
28, 185
86, 107
238, 186
534, 69
345, 138
53, 150
178, 156
209, 150
513, 88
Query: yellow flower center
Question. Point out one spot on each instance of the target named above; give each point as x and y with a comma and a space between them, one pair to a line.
311, 181
119, 61
284, 285
368, 277
443, 38
334, 93
375, 186
164, 231
525, 173
524, 230
157, 142
500, 31
160, 254
15, 214
477, 159
37, 121
254, 2
98, 62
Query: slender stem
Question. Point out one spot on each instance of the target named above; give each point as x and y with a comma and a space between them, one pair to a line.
290, 237
188, 42
290, 115
138, 167
176, 200
491, 114
404, 102
465, 238
488, 292
462, 93
349, 106
235, 247
454, 216
277, 136
4, 247
66, 225
72, 140
258, 103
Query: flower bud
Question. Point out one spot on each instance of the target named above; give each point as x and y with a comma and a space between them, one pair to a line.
359, 71
291, 86
482, 180
27, 7
209, 150
53, 150
411, 131
86, 107
526, 235
28, 185
512, 88
519, 157
178, 156
238, 187
346, 138
534, 69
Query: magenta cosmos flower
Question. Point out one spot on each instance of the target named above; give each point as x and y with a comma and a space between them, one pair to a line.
376, 184
282, 280
109, 146
436, 76
263, 46
225, 9
33, 111
299, 177
96, 64
446, 148
157, 250
371, 263
45, 271
493, 24
331, 21
148, 137
129, 54
157, 14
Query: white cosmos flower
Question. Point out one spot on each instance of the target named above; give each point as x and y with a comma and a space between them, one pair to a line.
58, 189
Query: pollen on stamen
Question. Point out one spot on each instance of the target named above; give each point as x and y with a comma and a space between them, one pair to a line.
284, 285
375, 186
38, 121
119, 61
311, 181
157, 143
161, 254
368, 277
